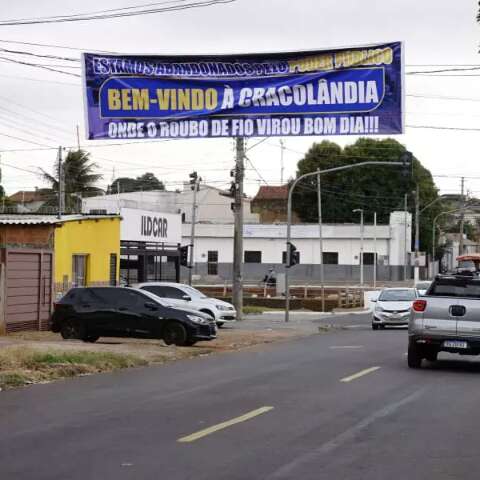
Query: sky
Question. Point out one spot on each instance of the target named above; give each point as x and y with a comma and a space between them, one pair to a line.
45, 107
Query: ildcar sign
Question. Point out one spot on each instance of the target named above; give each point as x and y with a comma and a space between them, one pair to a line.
347, 91
148, 226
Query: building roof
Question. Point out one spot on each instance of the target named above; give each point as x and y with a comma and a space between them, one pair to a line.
47, 219
27, 196
267, 192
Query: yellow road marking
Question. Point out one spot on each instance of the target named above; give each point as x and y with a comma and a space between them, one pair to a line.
223, 425
359, 374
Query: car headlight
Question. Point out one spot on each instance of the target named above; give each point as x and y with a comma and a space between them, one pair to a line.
378, 308
221, 307
197, 319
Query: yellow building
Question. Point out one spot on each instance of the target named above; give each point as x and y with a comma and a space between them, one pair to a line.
86, 251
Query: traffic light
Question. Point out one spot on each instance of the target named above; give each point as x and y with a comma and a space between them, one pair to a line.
293, 255
193, 180
407, 164
184, 256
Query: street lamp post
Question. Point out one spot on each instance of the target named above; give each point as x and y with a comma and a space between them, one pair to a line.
289, 216
360, 210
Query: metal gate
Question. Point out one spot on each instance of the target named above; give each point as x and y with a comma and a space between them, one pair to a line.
28, 289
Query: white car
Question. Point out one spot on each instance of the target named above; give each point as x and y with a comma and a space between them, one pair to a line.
185, 296
392, 307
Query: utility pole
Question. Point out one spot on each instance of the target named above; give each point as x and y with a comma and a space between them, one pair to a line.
417, 234
195, 186
282, 167
360, 210
405, 258
375, 255
462, 218
320, 232
61, 193
237, 286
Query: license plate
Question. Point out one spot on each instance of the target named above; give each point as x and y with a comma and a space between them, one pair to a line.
455, 344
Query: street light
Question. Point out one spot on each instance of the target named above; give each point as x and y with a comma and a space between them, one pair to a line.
360, 210
289, 214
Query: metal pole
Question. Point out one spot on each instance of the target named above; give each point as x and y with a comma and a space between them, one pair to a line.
361, 247
78, 137
417, 234
462, 220
320, 233
375, 255
237, 287
196, 186
282, 167
61, 204
405, 258
289, 215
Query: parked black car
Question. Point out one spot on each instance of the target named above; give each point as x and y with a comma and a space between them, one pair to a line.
90, 313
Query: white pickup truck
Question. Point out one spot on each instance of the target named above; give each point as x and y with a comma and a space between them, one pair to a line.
445, 319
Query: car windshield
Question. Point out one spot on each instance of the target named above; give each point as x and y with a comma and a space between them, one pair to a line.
404, 295
193, 292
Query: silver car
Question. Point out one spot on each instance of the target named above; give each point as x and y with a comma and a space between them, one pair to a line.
392, 307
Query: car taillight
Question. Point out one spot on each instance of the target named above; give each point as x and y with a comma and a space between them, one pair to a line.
419, 305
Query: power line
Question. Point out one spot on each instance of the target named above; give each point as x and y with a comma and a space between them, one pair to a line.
18, 77
118, 14
37, 65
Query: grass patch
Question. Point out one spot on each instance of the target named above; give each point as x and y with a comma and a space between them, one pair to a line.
21, 366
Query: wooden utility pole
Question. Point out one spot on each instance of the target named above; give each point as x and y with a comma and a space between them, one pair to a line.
462, 218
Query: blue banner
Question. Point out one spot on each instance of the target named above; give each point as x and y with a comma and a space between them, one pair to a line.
350, 91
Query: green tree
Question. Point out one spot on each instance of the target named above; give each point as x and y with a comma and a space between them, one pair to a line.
373, 188
146, 182
80, 180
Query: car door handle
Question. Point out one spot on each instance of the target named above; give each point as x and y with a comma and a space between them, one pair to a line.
86, 305
429, 327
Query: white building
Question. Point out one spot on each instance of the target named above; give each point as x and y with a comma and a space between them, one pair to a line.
265, 245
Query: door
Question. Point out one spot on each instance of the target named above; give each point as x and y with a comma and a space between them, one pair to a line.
28, 292
95, 311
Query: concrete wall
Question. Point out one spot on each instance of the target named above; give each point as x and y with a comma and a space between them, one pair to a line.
301, 274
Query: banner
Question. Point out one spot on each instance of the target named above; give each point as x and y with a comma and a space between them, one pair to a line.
348, 91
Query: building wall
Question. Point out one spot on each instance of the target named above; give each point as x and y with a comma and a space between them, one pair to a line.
97, 238
26, 236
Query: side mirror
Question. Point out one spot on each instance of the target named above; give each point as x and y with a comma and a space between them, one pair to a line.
151, 306
187, 298
373, 300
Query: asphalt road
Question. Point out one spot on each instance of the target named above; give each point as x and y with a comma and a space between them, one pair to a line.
342, 405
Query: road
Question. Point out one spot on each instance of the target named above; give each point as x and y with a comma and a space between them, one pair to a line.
341, 405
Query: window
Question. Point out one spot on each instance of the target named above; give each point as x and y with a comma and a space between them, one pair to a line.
113, 269
165, 292
368, 258
330, 258
253, 256
79, 270
212, 262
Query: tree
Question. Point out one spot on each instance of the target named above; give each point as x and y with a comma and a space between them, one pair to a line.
373, 188
79, 180
146, 182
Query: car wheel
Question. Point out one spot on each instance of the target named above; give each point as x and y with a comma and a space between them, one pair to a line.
175, 334
91, 338
190, 343
414, 356
69, 330
374, 326
220, 324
